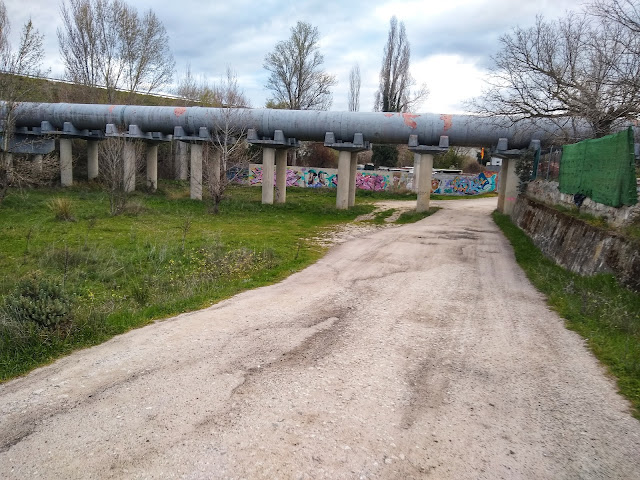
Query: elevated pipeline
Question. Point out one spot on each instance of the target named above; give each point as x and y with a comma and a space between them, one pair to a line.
312, 125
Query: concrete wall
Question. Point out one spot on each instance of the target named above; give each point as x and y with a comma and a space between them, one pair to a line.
576, 245
379, 180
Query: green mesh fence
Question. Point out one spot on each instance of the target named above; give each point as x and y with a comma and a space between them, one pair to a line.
602, 169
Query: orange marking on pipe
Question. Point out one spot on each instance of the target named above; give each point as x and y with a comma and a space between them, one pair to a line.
408, 119
179, 111
388, 115
448, 122
111, 107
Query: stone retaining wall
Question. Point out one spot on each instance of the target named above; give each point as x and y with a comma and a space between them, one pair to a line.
576, 245
549, 194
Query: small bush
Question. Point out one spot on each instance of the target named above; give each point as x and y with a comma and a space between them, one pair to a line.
39, 302
61, 208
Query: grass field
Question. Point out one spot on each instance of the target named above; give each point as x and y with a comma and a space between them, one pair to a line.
167, 255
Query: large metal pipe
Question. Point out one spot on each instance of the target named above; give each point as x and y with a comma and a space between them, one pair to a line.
462, 130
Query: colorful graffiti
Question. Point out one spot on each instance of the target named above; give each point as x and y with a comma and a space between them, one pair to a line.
443, 184
371, 181
298, 177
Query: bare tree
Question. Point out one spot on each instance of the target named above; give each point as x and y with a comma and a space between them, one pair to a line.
394, 93
148, 60
188, 88
197, 90
624, 13
296, 75
575, 71
14, 65
113, 173
354, 88
228, 154
106, 43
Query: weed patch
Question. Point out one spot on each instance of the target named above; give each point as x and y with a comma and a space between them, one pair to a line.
61, 208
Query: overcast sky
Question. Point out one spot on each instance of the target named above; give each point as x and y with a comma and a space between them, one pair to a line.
451, 41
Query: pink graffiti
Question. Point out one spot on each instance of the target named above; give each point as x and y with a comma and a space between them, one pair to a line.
371, 182
179, 111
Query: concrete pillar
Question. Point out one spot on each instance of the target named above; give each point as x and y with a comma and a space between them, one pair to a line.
92, 159
509, 182
66, 163
37, 163
425, 167
181, 166
214, 171
353, 173
129, 166
344, 174
281, 176
416, 172
152, 166
195, 182
268, 157
7, 158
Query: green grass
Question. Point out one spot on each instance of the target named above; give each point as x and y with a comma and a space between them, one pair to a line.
379, 217
605, 313
410, 195
386, 195
463, 197
167, 255
412, 216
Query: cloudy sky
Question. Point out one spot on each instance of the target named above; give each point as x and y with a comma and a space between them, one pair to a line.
451, 42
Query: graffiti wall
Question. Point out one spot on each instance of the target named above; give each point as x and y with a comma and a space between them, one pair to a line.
377, 180
464, 184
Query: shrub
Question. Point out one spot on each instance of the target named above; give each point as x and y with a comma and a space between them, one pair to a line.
40, 302
61, 208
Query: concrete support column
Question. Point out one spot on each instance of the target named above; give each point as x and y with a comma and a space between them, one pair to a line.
37, 163
344, 174
353, 173
509, 182
214, 171
181, 170
425, 167
66, 163
7, 159
129, 166
92, 159
152, 166
281, 176
268, 158
416, 172
195, 182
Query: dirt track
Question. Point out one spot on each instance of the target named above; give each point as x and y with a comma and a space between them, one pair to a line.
412, 352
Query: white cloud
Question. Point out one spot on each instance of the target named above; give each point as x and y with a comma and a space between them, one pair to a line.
450, 40
451, 81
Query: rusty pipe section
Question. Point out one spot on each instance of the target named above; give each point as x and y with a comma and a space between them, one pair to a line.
312, 125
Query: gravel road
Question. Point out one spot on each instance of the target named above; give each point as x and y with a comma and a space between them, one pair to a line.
419, 351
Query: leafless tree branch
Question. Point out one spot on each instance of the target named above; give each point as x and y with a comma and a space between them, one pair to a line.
354, 88
394, 93
296, 78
